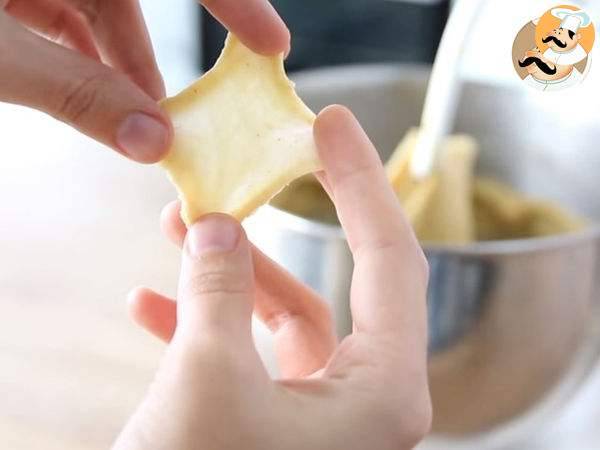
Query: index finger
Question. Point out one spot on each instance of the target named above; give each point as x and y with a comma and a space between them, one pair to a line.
56, 20
124, 42
254, 22
390, 275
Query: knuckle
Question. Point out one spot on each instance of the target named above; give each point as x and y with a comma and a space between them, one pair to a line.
216, 356
80, 98
406, 422
356, 176
378, 246
395, 247
417, 423
403, 414
415, 414
208, 283
275, 321
89, 9
58, 24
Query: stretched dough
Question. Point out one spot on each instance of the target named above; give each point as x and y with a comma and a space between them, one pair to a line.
241, 135
440, 207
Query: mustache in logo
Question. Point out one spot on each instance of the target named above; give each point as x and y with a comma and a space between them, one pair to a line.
556, 41
541, 64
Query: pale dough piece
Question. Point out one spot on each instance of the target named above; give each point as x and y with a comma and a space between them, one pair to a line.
241, 135
440, 207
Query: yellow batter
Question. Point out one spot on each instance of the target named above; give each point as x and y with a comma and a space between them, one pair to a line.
452, 206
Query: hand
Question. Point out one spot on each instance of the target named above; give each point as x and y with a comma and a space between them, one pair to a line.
212, 390
100, 74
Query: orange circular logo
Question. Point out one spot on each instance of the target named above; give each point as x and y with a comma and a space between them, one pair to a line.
553, 53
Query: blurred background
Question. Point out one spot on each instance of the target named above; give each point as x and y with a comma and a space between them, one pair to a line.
349, 32
79, 224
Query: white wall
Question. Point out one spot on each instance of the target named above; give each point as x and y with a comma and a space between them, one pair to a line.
173, 26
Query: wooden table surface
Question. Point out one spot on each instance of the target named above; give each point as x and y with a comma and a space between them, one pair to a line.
78, 229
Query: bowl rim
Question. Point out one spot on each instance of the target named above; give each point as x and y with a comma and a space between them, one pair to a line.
316, 229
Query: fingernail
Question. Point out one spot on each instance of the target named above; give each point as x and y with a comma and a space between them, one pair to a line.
143, 138
213, 234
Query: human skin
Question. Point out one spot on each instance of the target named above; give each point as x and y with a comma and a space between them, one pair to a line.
370, 391
90, 64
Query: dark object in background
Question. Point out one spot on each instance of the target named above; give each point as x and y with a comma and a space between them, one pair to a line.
333, 32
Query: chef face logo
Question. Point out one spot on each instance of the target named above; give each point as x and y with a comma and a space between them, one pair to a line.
561, 40
553, 52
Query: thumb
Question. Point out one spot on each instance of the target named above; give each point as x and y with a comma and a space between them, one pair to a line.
211, 363
97, 100
216, 287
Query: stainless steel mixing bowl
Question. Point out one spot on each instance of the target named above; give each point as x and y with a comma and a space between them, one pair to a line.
514, 325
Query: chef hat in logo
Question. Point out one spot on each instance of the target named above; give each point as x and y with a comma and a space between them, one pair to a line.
572, 20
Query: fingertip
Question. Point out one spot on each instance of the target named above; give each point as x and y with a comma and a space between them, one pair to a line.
145, 137
275, 37
331, 119
255, 22
280, 41
272, 44
287, 40
341, 141
288, 47
171, 224
214, 233
153, 312
171, 211
134, 302
335, 111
